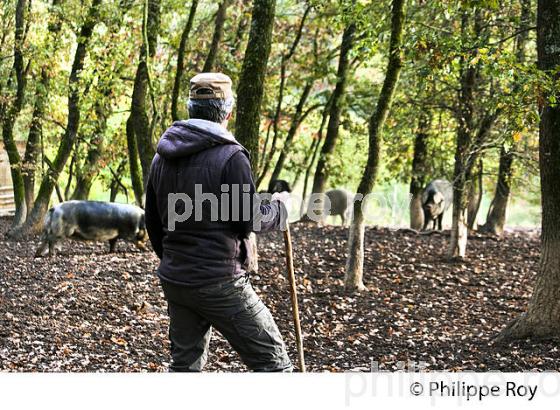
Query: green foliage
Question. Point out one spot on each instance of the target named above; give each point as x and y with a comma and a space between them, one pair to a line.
438, 48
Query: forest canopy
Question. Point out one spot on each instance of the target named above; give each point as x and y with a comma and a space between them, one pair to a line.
441, 41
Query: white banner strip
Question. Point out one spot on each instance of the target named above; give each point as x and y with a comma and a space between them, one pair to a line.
278, 391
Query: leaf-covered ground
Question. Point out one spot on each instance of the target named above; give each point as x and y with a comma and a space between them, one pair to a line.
87, 310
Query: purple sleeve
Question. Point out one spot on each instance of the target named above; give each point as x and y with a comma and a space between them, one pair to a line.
263, 217
153, 220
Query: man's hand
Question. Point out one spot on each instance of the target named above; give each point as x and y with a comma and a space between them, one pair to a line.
285, 198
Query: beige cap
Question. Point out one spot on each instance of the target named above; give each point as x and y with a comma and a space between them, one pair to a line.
210, 85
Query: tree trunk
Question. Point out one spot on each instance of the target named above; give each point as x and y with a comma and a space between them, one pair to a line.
464, 144
9, 115
278, 112
466, 154
175, 115
496, 219
116, 183
320, 178
33, 145
542, 319
314, 150
33, 223
353, 280
86, 175
294, 126
30, 160
139, 128
240, 32
253, 73
475, 198
217, 37
419, 171
461, 180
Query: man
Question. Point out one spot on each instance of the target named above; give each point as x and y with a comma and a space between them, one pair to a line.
204, 259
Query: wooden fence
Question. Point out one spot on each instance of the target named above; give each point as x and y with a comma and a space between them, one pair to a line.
6, 192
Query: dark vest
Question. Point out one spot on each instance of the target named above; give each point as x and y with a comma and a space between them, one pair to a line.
203, 251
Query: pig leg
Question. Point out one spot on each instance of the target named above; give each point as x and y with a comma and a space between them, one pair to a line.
52, 248
112, 245
439, 221
42, 248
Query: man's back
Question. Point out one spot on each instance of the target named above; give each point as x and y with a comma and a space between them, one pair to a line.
199, 170
200, 208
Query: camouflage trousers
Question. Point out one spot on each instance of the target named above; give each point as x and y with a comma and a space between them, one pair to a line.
234, 309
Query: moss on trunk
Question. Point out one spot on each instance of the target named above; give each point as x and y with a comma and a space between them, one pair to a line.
251, 83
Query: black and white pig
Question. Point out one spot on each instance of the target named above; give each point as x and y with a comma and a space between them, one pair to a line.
93, 221
436, 199
279, 185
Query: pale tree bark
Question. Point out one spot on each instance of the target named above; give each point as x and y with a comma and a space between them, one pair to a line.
35, 219
353, 279
466, 154
419, 171
464, 150
179, 71
542, 319
252, 78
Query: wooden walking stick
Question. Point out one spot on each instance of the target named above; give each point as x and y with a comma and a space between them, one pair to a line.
293, 294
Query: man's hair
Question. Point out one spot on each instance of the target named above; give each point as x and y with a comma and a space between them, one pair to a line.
210, 109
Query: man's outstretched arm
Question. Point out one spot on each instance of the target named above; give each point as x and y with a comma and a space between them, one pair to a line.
262, 217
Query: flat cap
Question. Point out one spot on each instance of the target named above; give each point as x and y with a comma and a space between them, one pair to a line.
210, 85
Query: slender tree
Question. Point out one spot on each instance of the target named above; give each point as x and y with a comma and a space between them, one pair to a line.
475, 196
217, 37
333, 125
35, 219
241, 30
286, 57
474, 125
419, 170
353, 280
496, 218
542, 318
86, 174
296, 120
42, 91
253, 72
139, 127
9, 111
175, 115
